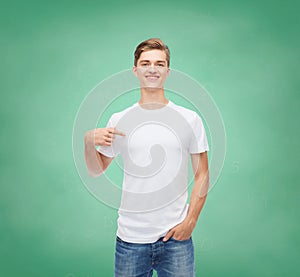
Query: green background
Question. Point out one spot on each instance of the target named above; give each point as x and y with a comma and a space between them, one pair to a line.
245, 53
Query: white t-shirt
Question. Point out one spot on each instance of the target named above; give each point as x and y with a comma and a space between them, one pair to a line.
155, 154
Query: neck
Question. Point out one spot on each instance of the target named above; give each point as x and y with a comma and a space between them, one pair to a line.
152, 97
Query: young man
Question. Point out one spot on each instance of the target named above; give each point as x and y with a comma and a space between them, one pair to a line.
155, 222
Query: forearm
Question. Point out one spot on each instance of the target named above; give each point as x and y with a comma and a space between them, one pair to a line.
184, 230
198, 198
93, 159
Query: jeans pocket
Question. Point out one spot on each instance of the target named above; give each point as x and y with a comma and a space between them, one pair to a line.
177, 240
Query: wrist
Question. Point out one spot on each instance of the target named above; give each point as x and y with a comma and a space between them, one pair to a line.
191, 222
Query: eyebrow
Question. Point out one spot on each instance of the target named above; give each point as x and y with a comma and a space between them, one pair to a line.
159, 61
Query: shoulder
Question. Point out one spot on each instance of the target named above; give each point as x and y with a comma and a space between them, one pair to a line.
189, 115
115, 117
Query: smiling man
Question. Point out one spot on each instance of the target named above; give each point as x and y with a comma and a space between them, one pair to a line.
155, 137
152, 68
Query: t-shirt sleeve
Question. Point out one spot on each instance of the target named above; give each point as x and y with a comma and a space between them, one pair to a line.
198, 143
108, 151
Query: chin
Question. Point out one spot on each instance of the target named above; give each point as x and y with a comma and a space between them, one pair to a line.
152, 86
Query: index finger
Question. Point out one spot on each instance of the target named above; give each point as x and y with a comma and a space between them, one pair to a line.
117, 132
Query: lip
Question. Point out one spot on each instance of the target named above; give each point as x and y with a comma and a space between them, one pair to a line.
152, 77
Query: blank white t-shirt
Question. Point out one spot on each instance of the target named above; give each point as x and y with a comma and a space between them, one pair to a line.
155, 154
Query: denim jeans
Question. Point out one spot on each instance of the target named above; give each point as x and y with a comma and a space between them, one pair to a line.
172, 258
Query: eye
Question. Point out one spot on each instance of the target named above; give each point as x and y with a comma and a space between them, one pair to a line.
144, 64
161, 64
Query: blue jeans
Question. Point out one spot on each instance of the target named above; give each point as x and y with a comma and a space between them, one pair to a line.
172, 258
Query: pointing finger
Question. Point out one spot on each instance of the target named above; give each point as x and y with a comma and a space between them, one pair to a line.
117, 132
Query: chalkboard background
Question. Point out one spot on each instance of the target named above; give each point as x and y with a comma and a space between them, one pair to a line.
245, 53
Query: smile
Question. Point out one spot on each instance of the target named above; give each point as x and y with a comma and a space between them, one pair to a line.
152, 77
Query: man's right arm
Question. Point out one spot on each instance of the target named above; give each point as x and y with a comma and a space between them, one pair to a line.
96, 162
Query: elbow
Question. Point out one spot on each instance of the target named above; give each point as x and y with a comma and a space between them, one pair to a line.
95, 174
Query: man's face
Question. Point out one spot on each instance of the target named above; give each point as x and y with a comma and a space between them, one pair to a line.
152, 69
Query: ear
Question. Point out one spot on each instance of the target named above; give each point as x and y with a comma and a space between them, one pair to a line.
168, 71
134, 70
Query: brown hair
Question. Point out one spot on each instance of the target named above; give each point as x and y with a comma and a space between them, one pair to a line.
151, 44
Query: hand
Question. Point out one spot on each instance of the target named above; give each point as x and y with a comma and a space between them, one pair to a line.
103, 136
182, 231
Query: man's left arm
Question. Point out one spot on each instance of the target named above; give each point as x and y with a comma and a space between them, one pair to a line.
184, 230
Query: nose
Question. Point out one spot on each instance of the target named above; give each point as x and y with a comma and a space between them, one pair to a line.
152, 68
